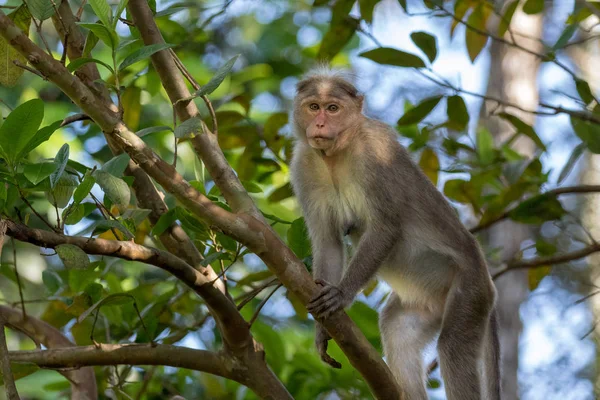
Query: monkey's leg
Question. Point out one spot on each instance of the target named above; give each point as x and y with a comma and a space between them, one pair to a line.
466, 315
491, 359
404, 333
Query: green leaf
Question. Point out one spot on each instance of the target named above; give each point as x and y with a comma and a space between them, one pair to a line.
565, 36
19, 128
337, 37
91, 40
271, 131
114, 188
524, 128
403, 4
72, 256
366, 9
52, 281
75, 212
79, 280
588, 132
61, 162
116, 166
102, 11
533, 6
101, 226
538, 209
298, 240
84, 188
115, 299
584, 91
507, 17
20, 370
9, 72
485, 146
252, 187
476, 41
575, 155
153, 129
420, 111
102, 33
215, 81
36, 173
41, 9
389, 56
427, 43
63, 190
80, 62
143, 53
164, 222
457, 113
120, 8
281, 193
189, 128
254, 277
40, 137
211, 258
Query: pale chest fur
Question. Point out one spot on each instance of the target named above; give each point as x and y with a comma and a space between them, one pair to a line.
338, 195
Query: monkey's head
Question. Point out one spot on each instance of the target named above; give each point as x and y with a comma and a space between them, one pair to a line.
326, 108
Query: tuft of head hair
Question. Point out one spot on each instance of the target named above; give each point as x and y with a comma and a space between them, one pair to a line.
324, 73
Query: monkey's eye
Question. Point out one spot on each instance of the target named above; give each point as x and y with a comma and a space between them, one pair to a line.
333, 108
314, 106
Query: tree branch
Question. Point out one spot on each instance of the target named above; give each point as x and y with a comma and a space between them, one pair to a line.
249, 231
205, 145
83, 380
554, 192
549, 260
127, 250
174, 237
9, 379
127, 354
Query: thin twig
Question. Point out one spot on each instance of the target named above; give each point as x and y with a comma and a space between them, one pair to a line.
549, 260
553, 192
499, 39
18, 278
27, 68
80, 11
196, 87
74, 118
44, 220
262, 304
247, 297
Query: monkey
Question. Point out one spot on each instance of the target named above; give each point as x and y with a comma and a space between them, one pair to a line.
352, 177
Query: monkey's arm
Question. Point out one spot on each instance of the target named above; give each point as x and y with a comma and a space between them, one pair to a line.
373, 248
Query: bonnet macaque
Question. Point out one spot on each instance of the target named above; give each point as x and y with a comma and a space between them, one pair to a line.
352, 177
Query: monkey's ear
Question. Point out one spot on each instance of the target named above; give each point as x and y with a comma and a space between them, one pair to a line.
360, 100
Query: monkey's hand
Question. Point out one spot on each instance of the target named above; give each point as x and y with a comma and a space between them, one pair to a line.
330, 299
321, 339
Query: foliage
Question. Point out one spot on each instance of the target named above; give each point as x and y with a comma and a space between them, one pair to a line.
243, 62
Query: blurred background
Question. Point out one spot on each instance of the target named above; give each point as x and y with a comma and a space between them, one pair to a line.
491, 118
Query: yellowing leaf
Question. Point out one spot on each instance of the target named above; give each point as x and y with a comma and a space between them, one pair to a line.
9, 72
535, 276
132, 107
430, 164
476, 41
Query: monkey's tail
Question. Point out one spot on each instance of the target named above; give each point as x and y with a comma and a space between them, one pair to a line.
492, 360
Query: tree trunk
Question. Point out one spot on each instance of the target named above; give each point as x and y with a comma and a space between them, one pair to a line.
513, 78
586, 58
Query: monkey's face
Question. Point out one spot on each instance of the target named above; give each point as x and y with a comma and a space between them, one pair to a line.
324, 111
